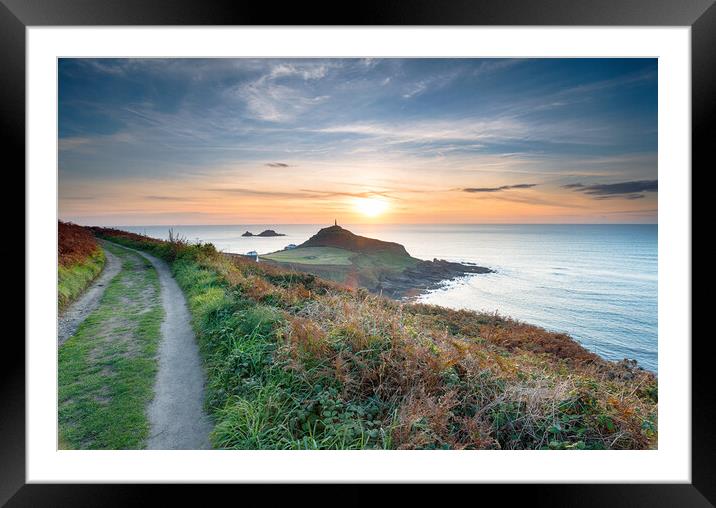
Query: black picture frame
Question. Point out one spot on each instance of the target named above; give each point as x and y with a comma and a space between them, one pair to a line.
700, 15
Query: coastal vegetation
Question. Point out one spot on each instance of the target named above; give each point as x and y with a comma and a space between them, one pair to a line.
80, 261
295, 361
106, 370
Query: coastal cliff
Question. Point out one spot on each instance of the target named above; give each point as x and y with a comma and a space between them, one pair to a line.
381, 267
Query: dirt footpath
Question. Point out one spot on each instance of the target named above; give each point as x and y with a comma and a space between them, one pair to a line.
176, 415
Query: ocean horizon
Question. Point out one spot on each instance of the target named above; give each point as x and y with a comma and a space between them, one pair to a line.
595, 282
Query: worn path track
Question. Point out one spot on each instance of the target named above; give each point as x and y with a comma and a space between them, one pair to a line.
106, 369
77, 311
176, 414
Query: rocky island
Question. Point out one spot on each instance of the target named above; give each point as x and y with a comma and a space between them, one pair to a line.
266, 232
381, 267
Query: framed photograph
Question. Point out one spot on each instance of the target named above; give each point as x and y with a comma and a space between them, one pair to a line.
421, 245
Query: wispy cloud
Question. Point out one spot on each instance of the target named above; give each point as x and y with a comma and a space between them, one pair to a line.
633, 78
78, 198
240, 191
430, 83
300, 193
416, 89
92, 143
169, 198
273, 98
364, 194
500, 188
443, 131
72, 143
276, 103
622, 196
532, 200
627, 190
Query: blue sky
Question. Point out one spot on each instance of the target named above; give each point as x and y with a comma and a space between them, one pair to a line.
187, 141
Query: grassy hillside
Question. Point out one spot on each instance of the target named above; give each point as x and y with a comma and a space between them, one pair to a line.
312, 256
336, 236
355, 269
297, 362
80, 261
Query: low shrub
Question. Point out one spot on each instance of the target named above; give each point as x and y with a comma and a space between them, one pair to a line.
74, 244
80, 261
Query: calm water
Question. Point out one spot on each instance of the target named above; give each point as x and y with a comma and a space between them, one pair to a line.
596, 282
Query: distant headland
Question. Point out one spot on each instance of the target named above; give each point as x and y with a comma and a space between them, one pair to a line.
379, 266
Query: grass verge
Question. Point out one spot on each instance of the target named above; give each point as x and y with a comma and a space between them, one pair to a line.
73, 280
297, 362
106, 370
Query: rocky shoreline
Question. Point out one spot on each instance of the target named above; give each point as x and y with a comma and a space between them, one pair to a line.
422, 277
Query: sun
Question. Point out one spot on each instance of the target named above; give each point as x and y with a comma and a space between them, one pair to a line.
371, 207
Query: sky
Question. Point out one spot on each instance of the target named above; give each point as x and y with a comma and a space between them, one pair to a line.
307, 141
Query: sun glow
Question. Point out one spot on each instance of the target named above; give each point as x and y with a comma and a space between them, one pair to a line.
371, 207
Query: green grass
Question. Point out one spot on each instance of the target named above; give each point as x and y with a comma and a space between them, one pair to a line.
341, 257
72, 280
313, 256
107, 369
256, 402
340, 265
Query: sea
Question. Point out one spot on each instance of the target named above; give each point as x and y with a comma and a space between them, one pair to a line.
597, 283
